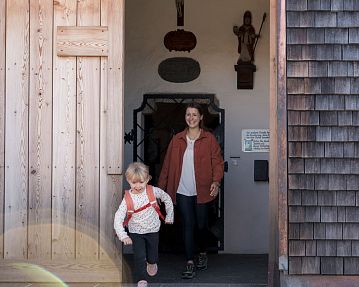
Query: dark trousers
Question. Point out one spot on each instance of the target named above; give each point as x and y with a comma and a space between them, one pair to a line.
194, 223
145, 249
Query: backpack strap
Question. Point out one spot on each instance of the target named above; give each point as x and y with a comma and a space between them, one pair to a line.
130, 208
153, 201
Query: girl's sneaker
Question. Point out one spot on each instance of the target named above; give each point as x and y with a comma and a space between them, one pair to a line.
152, 269
142, 283
189, 272
202, 261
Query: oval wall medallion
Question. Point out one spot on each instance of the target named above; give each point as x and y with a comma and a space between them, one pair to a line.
179, 69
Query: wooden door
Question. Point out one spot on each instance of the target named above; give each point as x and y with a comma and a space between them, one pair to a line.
61, 125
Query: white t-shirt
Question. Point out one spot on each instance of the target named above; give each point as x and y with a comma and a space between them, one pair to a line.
187, 183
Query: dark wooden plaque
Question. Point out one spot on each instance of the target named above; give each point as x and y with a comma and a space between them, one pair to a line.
179, 69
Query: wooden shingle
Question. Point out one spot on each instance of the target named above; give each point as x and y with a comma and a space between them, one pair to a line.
353, 133
295, 86
342, 166
351, 231
355, 248
352, 214
319, 231
334, 150
355, 117
348, 19
318, 69
309, 118
312, 165
301, 102
321, 182
325, 19
344, 248
297, 69
294, 231
352, 103
306, 231
326, 248
312, 85
336, 35
337, 182
314, 5
342, 86
296, 36
296, 214
331, 265
293, 118
309, 197
341, 214
345, 118
296, 165
328, 85
296, 5
327, 166
354, 166
340, 134
328, 214
328, 118
294, 197
354, 35
315, 36
352, 182
330, 102
312, 149
307, 133
354, 86
310, 265
294, 149
326, 198
296, 248
295, 265
345, 198
349, 150
323, 134
336, 5
294, 52
310, 248
312, 214
333, 231
351, 266
337, 69
350, 53
300, 181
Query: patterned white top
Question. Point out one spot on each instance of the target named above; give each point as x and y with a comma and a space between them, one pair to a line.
145, 221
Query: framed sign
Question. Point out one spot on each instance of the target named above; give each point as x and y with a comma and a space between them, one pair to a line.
255, 140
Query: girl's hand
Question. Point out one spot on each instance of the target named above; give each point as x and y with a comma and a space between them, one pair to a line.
127, 241
214, 189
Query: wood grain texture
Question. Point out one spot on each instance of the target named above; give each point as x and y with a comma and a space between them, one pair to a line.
64, 141
2, 122
40, 127
82, 41
110, 185
51, 270
87, 142
115, 84
16, 135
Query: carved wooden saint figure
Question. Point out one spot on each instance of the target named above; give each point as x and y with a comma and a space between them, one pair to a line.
246, 39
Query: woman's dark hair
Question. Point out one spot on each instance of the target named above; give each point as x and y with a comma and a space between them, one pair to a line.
199, 108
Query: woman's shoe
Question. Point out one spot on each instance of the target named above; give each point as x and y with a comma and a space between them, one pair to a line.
202, 261
189, 271
142, 283
152, 269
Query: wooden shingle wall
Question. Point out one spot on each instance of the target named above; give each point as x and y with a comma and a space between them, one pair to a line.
323, 136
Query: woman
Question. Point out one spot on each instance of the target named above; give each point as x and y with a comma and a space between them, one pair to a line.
191, 173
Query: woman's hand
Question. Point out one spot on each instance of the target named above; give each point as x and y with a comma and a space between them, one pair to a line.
127, 241
214, 189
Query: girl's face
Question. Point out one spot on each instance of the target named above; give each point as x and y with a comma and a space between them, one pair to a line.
193, 117
137, 186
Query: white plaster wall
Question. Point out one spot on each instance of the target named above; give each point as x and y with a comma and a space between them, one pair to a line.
147, 22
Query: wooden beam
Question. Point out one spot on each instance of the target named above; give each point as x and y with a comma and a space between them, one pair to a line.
56, 271
82, 41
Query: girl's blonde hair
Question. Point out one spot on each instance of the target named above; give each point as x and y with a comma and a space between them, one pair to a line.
137, 171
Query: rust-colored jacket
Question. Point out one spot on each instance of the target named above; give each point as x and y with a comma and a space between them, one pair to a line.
208, 165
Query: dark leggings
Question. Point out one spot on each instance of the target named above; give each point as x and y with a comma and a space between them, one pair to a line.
145, 249
194, 218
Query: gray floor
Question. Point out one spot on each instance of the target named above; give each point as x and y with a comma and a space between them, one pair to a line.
224, 270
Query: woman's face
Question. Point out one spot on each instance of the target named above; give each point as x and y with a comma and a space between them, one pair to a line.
193, 117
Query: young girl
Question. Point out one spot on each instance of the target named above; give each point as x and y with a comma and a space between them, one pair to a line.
142, 220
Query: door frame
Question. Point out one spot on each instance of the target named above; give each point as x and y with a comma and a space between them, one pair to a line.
278, 210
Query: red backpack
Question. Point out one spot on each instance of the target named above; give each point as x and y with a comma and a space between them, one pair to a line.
152, 202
